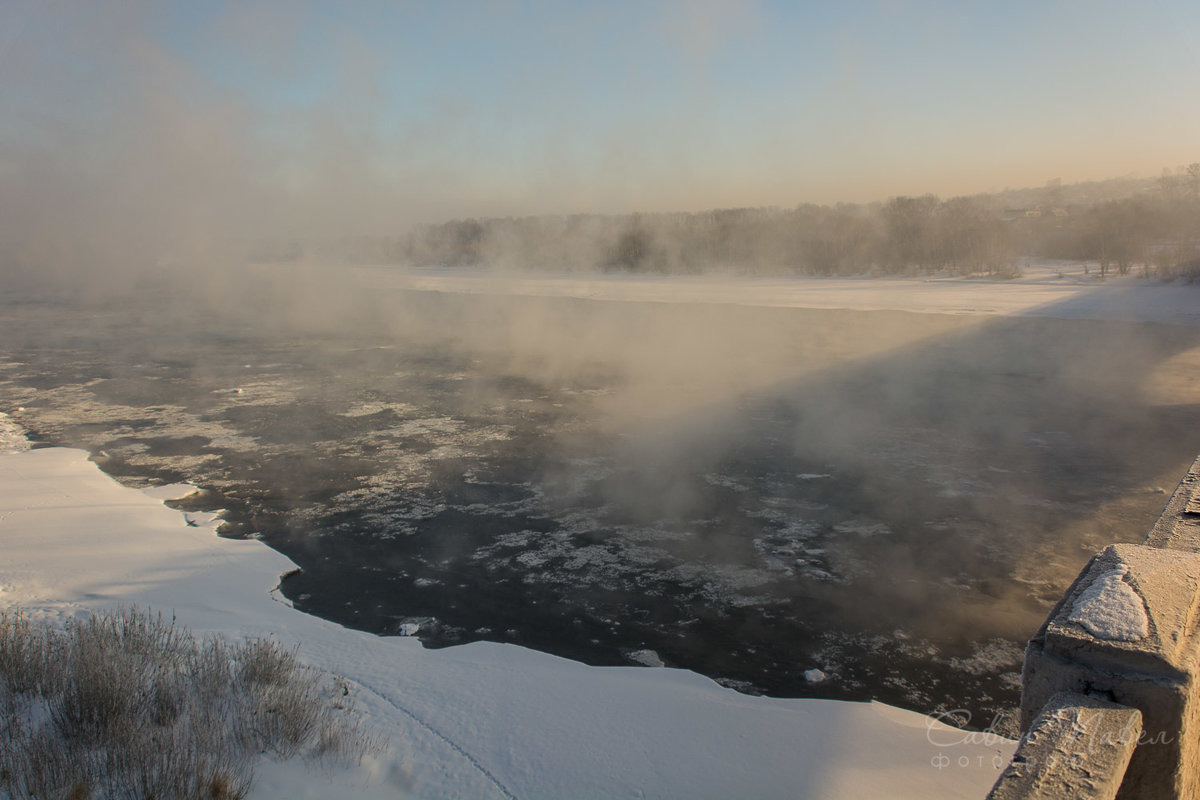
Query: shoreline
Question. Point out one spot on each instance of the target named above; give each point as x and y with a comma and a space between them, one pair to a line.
537, 725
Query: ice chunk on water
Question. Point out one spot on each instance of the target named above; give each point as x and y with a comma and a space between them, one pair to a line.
12, 438
647, 658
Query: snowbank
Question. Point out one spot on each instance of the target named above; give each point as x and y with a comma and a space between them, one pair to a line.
478, 721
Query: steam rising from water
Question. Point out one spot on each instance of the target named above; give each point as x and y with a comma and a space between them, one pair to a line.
141, 139
754, 492
122, 164
895, 499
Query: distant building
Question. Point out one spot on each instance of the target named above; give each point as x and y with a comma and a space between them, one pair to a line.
1011, 214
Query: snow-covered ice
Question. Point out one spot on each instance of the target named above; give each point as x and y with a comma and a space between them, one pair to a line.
1045, 288
482, 720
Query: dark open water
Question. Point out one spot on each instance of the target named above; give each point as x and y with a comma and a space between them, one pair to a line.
895, 500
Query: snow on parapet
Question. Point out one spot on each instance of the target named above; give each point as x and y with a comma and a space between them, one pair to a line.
1110, 609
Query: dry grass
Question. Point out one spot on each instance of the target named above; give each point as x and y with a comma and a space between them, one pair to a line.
129, 705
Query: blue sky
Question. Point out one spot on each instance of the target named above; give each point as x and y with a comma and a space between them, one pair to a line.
432, 110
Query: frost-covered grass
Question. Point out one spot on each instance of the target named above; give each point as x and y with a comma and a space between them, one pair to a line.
128, 704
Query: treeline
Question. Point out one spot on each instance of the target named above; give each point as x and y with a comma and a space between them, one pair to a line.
1156, 230
1153, 225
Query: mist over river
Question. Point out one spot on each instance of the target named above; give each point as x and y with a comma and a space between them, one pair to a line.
894, 500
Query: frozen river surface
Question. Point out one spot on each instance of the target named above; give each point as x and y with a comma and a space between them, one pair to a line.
795, 501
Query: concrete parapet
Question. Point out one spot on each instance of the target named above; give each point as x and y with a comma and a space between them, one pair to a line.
1126, 632
1179, 526
1078, 747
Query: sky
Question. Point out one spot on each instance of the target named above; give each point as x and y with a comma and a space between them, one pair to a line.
365, 117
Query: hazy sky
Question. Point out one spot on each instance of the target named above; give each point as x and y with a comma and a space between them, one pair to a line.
370, 115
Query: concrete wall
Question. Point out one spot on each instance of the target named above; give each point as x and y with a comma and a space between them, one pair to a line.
1127, 632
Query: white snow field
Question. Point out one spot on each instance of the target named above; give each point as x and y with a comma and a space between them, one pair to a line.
1044, 288
477, 721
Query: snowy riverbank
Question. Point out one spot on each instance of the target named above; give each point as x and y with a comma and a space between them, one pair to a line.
482, 720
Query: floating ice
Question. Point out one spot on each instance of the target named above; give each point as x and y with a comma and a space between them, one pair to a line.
12, 438
647, 658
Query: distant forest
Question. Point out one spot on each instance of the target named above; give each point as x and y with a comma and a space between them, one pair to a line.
1149, 225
